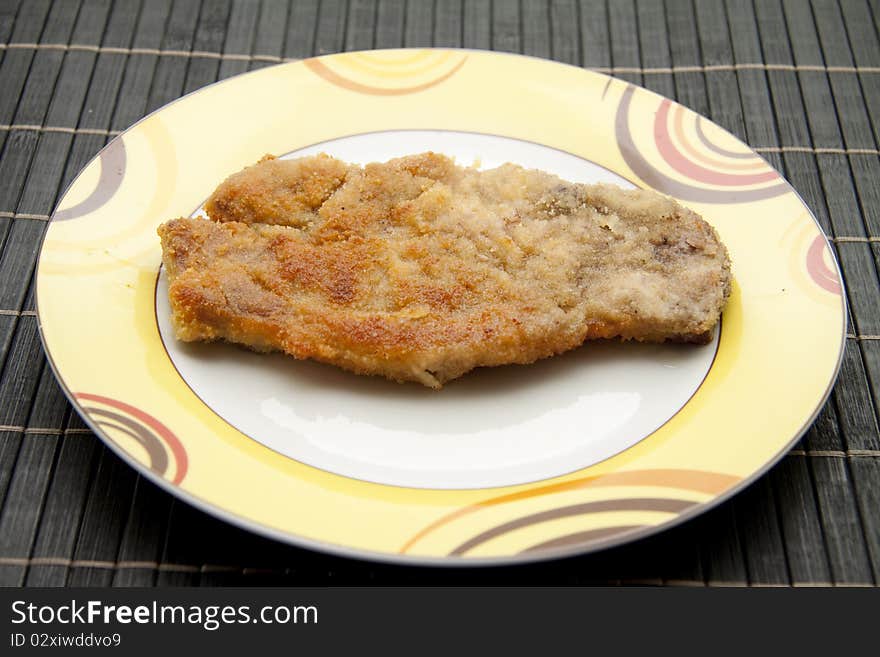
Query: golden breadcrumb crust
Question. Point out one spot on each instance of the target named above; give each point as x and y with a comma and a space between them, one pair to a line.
420, 270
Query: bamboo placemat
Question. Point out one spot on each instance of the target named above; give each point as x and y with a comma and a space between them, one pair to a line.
798, 81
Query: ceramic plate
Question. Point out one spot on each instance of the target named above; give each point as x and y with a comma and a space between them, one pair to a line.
596, 447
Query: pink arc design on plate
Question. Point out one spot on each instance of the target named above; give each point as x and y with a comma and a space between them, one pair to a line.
821, 274
656, 178
691, 169
156, 438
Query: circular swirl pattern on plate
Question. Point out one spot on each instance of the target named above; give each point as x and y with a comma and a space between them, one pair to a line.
593, 522
165, 451
377, 75
810, 261
820, 268
112, 162
681, 159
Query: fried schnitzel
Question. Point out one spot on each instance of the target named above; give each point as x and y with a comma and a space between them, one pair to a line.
421, 270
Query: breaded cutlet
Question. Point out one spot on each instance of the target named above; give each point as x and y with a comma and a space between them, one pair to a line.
420, 270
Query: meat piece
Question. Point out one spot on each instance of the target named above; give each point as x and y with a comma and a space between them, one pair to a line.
420, 270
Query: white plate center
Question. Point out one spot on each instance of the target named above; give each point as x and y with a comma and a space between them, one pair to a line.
493, 427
